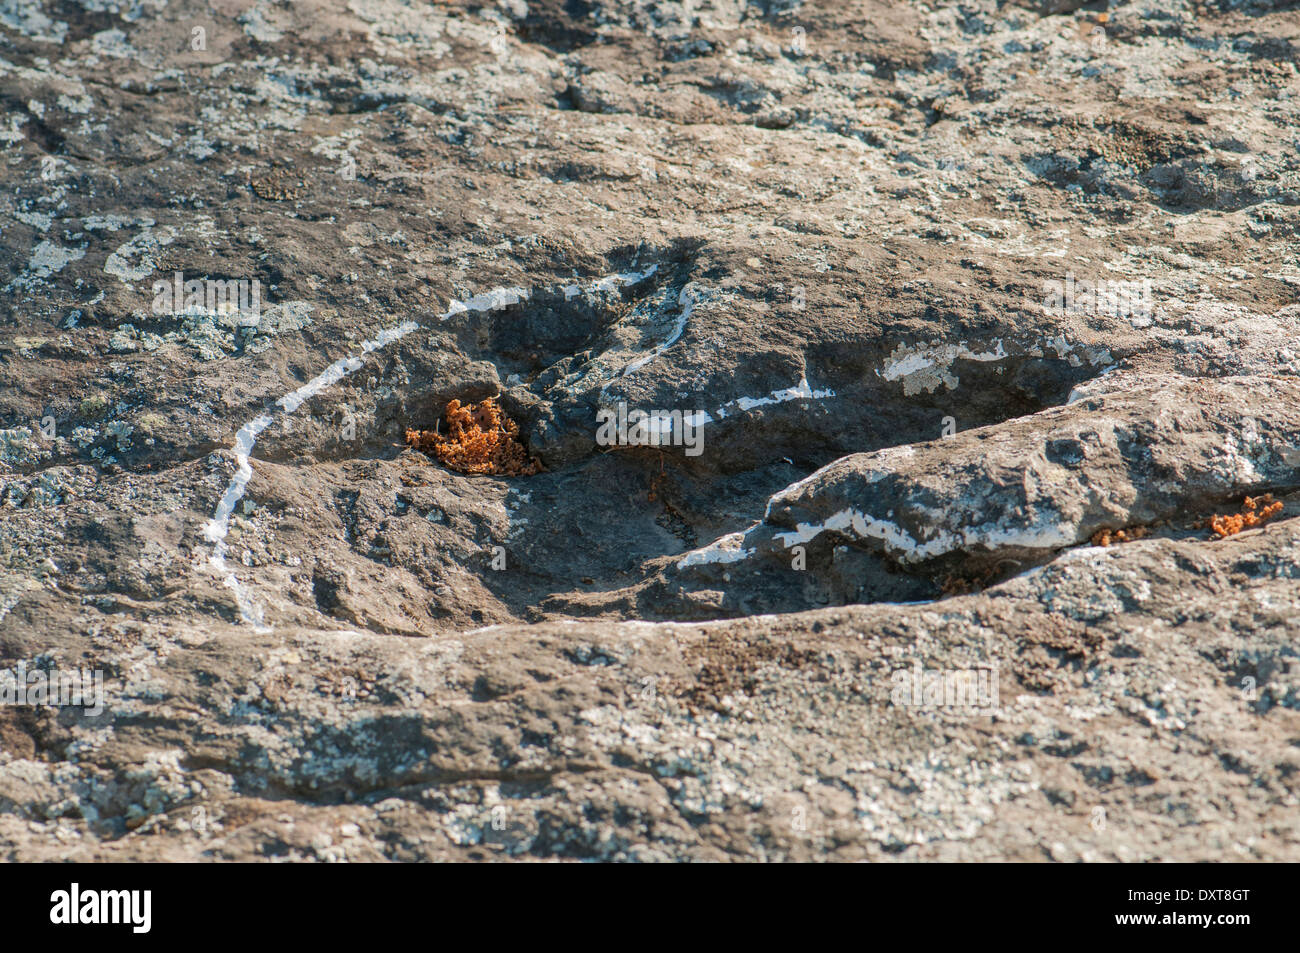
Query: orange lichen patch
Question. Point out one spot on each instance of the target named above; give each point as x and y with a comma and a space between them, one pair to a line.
480, 439
1250, 516
1104, 537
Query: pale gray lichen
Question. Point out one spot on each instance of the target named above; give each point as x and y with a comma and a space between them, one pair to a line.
83, 437
20, 447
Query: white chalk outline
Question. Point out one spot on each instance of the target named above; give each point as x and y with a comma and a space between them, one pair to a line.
246, 438
218, 526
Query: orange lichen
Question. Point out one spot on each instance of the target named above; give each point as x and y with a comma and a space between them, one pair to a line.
1249, 517
1104, 537
480, 439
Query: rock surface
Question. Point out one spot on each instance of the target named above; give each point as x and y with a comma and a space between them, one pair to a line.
934, 294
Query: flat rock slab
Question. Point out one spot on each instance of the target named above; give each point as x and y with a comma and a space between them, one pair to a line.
891, 312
